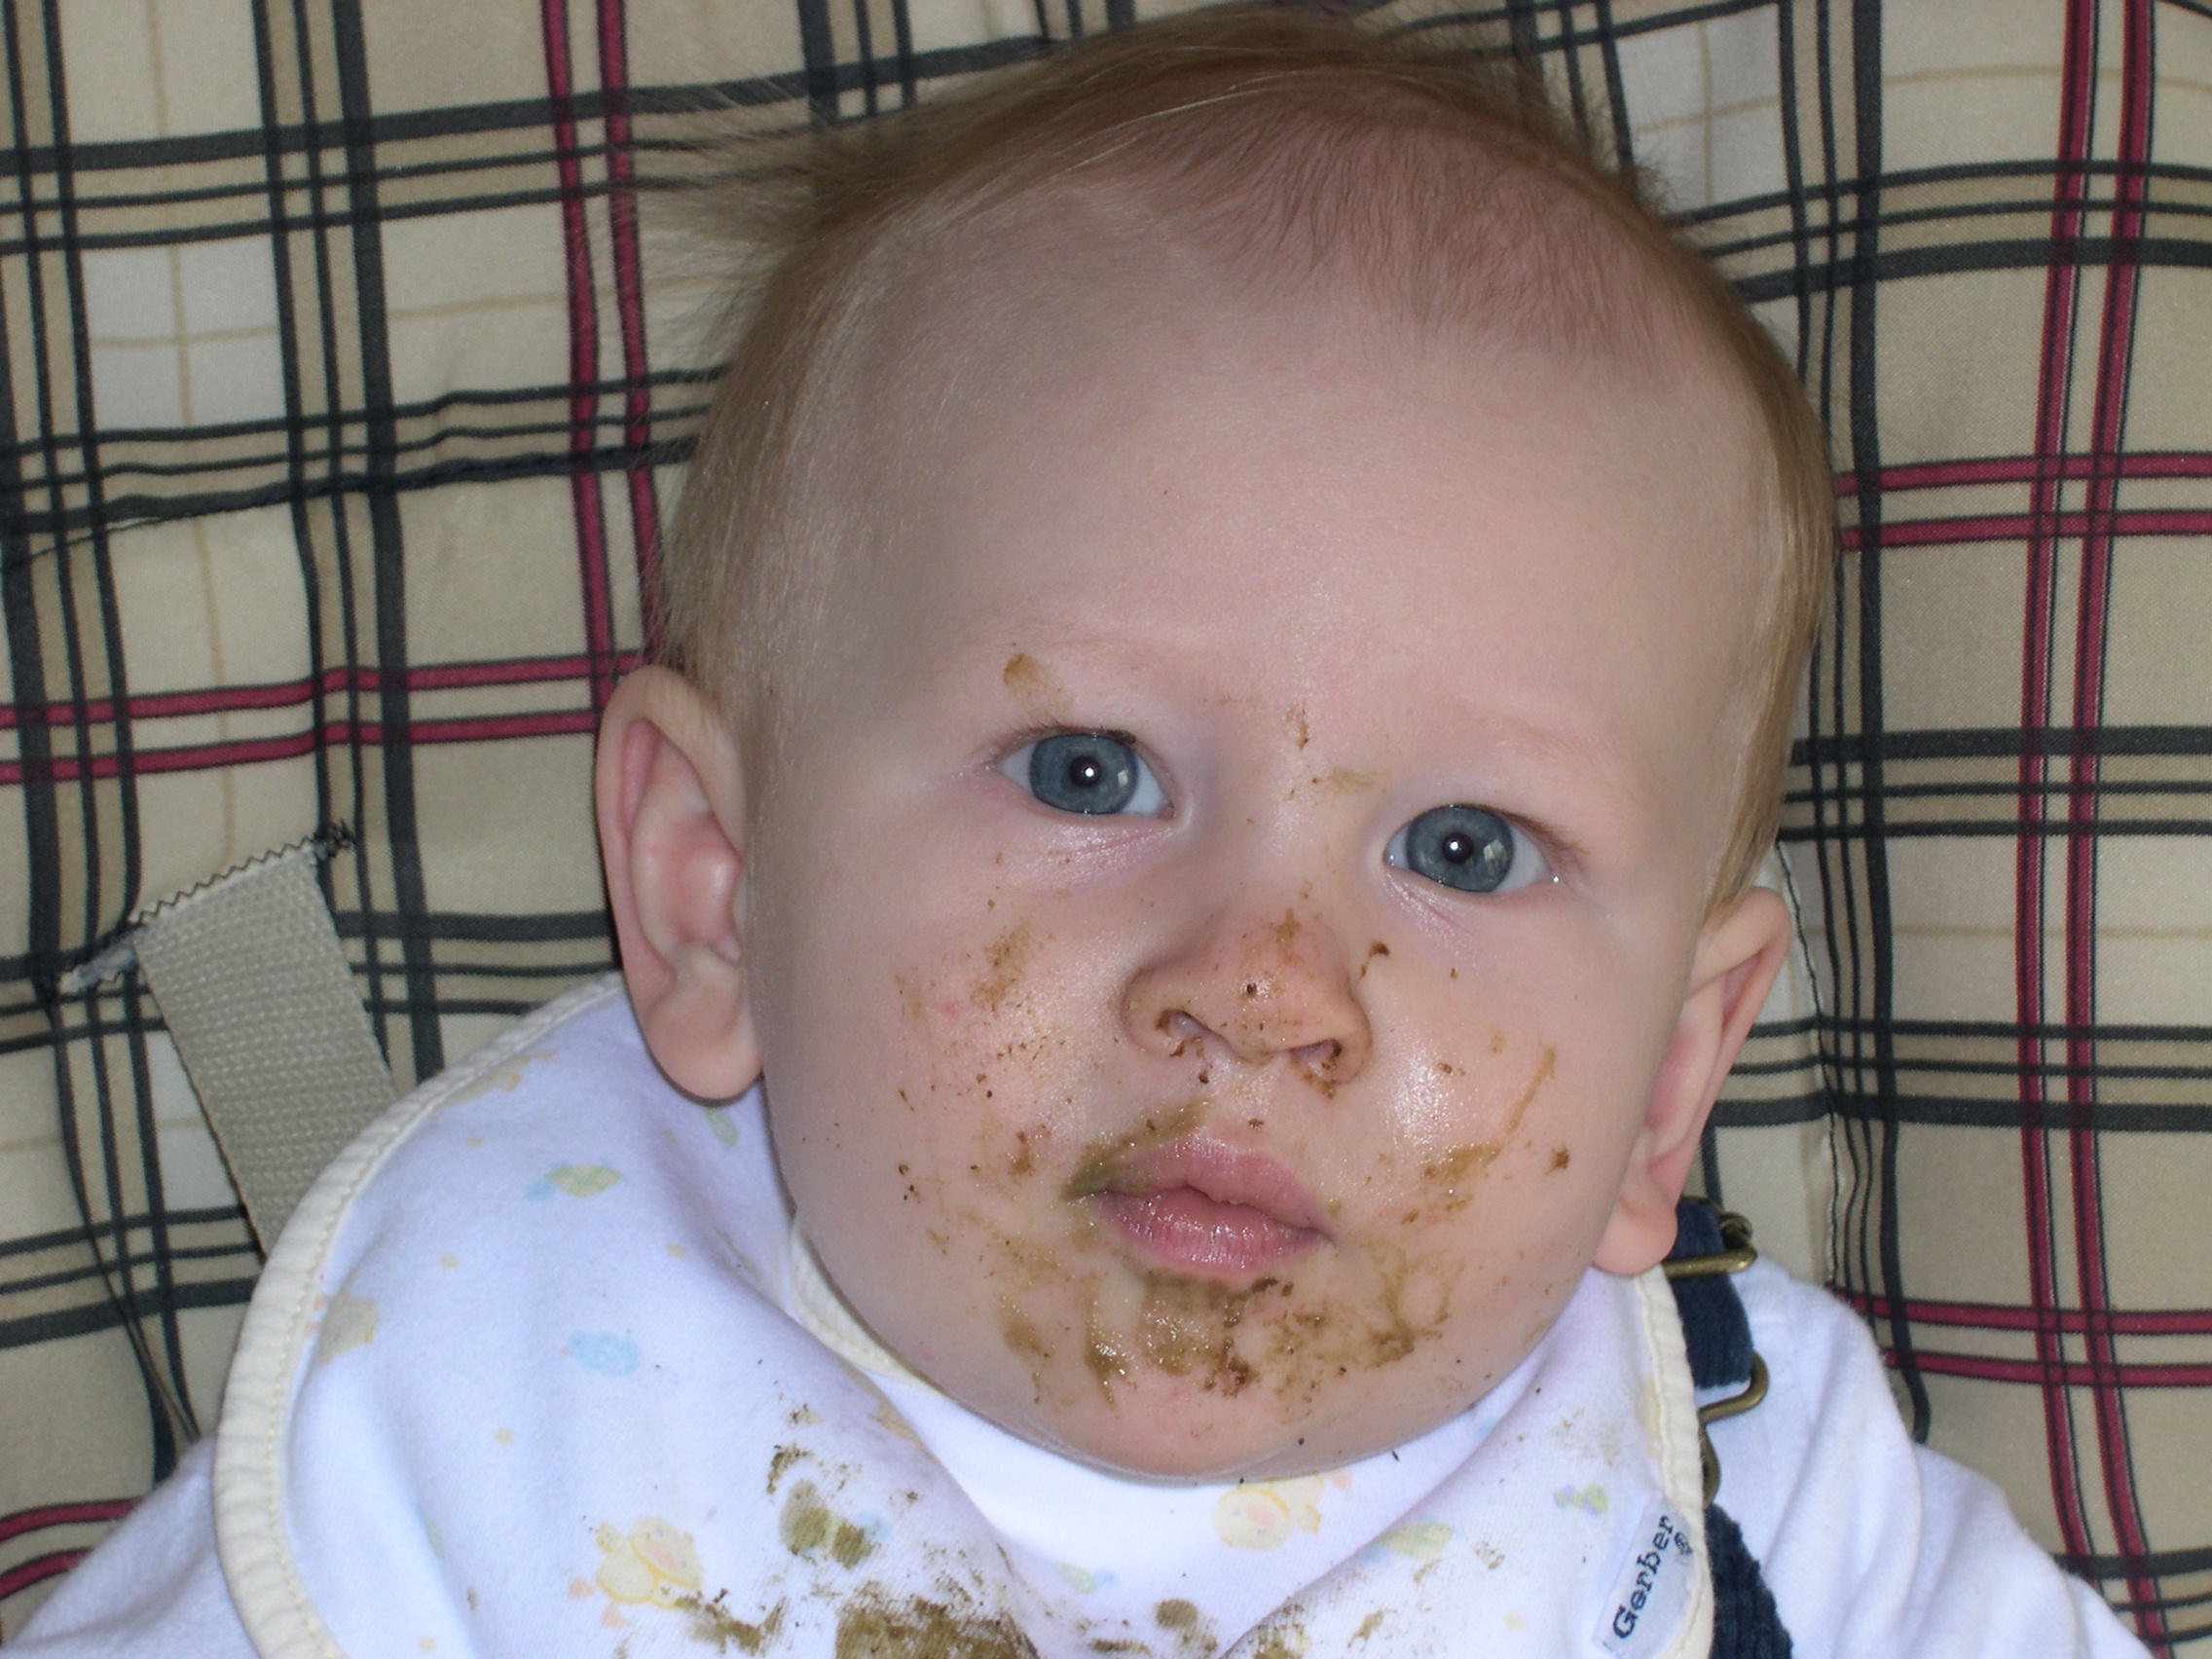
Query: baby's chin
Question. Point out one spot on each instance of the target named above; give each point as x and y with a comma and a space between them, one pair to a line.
1172, 1429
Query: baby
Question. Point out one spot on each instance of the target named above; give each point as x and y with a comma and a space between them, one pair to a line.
1228, 656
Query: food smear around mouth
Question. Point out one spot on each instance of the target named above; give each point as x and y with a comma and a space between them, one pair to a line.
1184, 1263
1101, 1166
1196, 1205
1099, 1325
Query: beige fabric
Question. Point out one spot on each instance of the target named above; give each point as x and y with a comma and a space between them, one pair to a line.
258, 997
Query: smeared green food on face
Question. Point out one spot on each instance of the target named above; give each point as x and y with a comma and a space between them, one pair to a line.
1099, 1169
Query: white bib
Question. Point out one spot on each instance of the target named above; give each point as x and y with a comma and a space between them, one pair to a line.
538, 1369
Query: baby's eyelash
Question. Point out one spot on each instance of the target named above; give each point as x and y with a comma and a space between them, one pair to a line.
1469, 849
1563, 852
1029, 735
1086, 772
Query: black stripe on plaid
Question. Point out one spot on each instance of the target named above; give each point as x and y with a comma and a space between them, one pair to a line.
325, 169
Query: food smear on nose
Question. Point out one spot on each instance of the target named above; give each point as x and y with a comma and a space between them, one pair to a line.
1197, 1206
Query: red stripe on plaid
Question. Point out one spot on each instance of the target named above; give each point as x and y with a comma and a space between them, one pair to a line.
2062, 1374
2026, 469
1994, 1317
629, 301
63, 1515
583, 359
2047, 523
2115, 358
226, 699
38, 1570
2041, 533
197, 757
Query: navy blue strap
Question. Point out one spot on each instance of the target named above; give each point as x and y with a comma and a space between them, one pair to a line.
1746, 1623
1713, 1323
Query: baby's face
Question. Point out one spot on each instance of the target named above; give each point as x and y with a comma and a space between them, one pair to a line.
1255, 827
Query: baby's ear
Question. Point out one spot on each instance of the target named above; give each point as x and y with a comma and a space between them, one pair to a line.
1740, 951
671, 810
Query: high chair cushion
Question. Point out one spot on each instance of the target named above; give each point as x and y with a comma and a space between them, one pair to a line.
347, 388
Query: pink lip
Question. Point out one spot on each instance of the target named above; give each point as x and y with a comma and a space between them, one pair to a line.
1202, 1207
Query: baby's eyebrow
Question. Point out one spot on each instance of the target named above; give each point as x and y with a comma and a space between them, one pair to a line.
1594, 759
1046, 656
1594, 754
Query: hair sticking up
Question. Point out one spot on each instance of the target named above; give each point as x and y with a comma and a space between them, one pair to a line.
1430, 181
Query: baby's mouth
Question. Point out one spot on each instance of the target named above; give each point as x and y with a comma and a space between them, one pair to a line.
1199, 1207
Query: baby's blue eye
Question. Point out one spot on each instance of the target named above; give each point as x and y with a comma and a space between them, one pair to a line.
1090, 772
1468, 849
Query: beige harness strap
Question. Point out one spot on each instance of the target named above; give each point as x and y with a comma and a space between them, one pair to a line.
256, 993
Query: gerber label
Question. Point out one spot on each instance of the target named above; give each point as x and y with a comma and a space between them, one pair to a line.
1653, 1587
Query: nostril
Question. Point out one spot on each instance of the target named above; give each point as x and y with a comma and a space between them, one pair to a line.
1320, 1057
1181, 1029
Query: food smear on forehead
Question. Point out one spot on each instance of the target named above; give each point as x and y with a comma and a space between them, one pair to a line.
1038, 688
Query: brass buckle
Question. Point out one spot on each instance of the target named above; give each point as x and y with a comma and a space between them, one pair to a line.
1734, 1257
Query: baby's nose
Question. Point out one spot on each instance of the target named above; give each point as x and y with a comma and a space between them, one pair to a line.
1250, 993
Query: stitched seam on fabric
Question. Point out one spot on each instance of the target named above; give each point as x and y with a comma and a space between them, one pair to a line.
2053, 402
251, 1539
2093, 623
1831, 1223
587, 510
1682, 1471
821, 1307
120, 954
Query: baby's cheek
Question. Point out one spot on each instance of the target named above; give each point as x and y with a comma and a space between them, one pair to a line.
986, 1076
1460, 1130
1460, 1206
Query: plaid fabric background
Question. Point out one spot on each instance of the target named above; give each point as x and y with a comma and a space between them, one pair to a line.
2004, 308
341, 389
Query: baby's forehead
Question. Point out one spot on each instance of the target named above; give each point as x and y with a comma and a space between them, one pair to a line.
1207, 411
1536, 264
1028, 304
1069, 320
1082, 307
